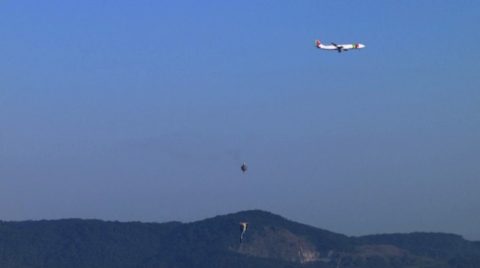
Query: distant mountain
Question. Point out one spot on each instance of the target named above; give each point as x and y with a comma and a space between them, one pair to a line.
270, 241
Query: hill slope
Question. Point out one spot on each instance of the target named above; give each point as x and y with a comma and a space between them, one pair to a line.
270, 241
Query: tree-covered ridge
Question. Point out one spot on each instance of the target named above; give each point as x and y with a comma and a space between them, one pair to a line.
270, 241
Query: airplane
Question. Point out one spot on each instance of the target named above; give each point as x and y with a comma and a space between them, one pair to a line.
339, 47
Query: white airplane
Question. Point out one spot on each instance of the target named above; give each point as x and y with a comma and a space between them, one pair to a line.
339, 47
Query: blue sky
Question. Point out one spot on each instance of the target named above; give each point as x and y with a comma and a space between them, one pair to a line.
144, 110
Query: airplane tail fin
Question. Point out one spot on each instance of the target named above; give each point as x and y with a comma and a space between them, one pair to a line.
317, 43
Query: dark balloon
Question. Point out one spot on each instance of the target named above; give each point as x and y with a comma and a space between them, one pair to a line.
244, 167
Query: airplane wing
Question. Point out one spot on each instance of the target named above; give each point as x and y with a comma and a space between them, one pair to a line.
339, 48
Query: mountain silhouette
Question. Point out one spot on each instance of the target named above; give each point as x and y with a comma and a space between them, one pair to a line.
269, 241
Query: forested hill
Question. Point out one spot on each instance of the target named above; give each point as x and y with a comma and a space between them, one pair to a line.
269, 241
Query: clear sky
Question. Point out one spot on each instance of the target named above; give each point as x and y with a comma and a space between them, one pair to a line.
145, 110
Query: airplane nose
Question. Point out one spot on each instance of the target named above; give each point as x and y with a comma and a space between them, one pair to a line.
361, 45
